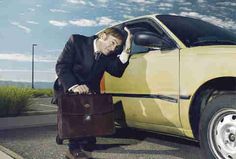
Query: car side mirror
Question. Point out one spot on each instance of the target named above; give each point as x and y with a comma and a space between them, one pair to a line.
150, 40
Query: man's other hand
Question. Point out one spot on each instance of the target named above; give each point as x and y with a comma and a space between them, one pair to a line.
81, 89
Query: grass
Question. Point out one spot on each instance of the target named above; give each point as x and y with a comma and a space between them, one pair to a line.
41, 92
14, 100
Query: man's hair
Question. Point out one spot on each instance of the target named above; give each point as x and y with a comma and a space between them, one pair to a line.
117, 33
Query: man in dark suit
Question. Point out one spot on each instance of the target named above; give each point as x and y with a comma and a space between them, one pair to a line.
81, 66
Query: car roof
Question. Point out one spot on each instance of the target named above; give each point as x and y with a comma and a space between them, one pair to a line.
161, 15
155, 16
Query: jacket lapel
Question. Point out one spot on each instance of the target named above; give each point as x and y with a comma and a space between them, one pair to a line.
89, 57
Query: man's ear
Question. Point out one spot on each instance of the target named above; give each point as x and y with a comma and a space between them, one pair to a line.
103, 36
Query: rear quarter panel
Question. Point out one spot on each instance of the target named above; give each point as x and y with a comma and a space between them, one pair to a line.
199, 65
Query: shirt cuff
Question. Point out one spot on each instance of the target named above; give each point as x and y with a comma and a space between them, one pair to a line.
124, 57
71, 88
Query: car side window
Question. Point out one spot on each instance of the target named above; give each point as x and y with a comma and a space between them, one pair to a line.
137, 49
137, 27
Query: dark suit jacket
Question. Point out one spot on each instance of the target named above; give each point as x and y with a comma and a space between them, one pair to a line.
77, 65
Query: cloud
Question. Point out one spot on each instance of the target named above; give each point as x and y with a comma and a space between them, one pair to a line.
58, 11
141, 1
54, 50
124, 4
229, 24
26, 29
102, 1
200, 1
83, 22
226, 4
100, 21
185, 9
76, 1
58, 23
186, 3
142, 9
178, 1
126, 10
162, 8
25, 57
32, 22
128, 16
31, 9
165, 5
91, 4
38, 5
105, 21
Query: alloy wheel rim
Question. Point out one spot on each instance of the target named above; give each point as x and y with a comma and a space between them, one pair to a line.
222, 134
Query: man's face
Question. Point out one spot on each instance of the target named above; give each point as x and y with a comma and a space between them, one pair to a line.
109, 43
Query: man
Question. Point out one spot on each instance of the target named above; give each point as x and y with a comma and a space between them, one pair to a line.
81, 66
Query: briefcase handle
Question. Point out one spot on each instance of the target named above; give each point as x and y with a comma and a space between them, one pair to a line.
73, 93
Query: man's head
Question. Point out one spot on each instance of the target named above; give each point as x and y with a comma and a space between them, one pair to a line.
109, 40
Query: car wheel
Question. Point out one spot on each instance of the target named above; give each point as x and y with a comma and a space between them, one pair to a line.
218, 128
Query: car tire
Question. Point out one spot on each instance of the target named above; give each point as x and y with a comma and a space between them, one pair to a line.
59, 141
217, 129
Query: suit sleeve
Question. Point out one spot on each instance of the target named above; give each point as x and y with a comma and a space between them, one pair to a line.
115, 67
64, 65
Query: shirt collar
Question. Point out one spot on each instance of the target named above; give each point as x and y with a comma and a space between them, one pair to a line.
94, 45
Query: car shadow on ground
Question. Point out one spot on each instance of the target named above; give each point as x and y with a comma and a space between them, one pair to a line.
141, 135
177, 147
128, 138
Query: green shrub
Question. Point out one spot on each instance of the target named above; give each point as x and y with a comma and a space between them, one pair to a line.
13, 100
41, 92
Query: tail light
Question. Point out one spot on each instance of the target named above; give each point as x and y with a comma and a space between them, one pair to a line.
102, 84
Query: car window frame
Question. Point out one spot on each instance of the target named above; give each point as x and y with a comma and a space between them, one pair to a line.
158, 29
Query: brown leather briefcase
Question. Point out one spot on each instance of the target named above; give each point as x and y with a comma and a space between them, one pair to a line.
85, 115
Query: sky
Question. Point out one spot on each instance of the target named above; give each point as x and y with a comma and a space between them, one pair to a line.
50, 23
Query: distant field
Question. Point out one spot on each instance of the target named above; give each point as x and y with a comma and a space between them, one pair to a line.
27, 84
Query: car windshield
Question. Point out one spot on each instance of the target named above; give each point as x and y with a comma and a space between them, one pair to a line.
194, 32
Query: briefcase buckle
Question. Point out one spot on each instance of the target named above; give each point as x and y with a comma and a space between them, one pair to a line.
87, 105
87, 117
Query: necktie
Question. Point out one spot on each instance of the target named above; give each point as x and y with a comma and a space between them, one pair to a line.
97, 55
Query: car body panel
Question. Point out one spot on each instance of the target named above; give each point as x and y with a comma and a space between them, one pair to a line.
157, 88
199, 65
152, 80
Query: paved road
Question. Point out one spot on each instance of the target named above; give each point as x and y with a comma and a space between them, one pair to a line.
39, 143
41, 104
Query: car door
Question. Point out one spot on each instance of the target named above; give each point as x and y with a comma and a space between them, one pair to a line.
147, 93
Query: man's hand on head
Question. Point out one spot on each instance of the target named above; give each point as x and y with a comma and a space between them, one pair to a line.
128, 41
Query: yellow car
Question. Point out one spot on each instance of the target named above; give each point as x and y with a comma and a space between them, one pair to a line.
181, 80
